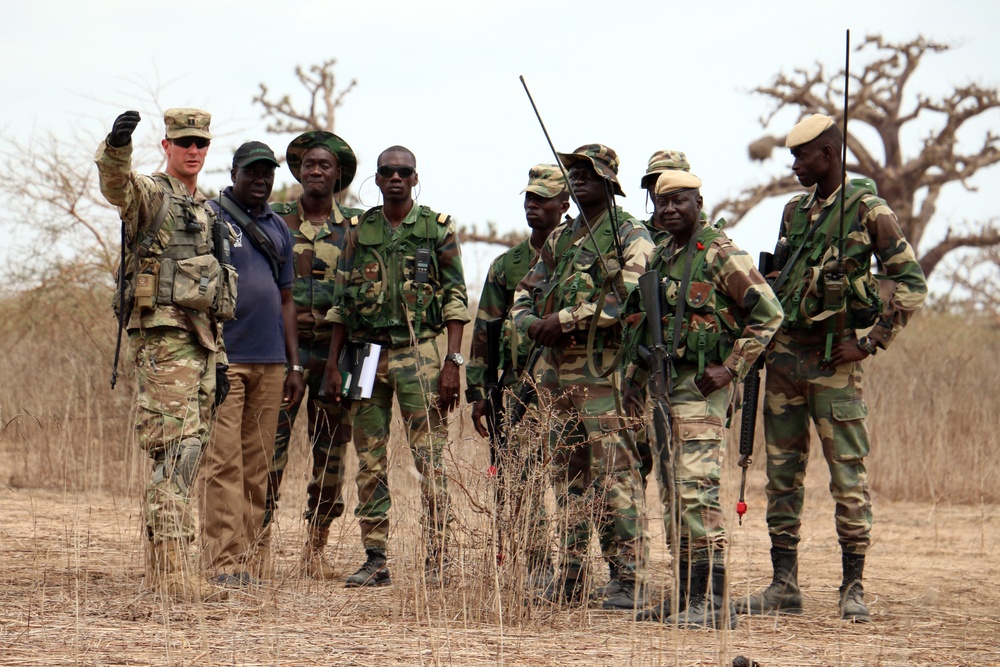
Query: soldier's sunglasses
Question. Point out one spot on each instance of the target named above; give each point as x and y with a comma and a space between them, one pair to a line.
386, 171
187, 142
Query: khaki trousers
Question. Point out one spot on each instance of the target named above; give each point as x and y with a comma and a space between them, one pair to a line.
233, 485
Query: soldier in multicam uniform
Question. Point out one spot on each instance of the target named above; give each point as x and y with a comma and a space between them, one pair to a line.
578, 283
814, 369
399, 284
175, 335
324, 164
545, 201
727, 319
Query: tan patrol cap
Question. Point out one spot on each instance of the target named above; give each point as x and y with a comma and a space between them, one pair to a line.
674, 180
545, 180
659, 162
808, 129
187, 123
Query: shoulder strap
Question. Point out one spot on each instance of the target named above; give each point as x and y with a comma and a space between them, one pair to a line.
142, 249
257, 236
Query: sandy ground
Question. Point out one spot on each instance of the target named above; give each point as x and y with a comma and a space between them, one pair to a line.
71, 570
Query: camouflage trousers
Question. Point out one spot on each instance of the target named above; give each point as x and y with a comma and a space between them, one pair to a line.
176, 378
799, 391
522, 479
595, 473
411, 373
693, 462
329, 434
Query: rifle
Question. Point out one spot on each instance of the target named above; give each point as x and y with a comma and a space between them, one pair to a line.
657, 358
124, 310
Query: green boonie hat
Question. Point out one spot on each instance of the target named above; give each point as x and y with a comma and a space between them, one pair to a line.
808, 129
305, 142
674, 180
546, 180
661, 161
187, 123
602, 158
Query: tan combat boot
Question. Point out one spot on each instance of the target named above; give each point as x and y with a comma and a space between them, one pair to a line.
313, 563
174, 577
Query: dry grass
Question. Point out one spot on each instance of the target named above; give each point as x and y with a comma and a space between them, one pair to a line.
70, 563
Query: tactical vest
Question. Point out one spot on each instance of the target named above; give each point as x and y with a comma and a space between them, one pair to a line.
516, 264
709, 327
391, 280
831, 281
184, 270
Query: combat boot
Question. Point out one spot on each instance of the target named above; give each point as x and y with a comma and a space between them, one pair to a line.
782, 596
374, 572
707, 606
852, 593
313, 563
172, 574
660, 612
610, 588
540, 571
568, 588
629, 596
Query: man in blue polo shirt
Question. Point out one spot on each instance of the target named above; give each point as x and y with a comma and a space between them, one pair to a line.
261, 340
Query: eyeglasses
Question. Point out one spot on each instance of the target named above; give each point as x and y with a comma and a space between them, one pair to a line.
386, 171
187, 142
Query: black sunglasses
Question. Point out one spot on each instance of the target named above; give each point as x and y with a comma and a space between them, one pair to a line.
385, 171
187, 142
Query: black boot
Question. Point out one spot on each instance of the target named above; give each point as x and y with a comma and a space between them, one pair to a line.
707, 606
660, 612
568, 588
374, 572
782, 596
610, 588
852, 593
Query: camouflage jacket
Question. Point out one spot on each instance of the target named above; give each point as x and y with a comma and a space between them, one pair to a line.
871, 229
568, 276
730, 311
139, 198
378, 294
316, 250
505, 273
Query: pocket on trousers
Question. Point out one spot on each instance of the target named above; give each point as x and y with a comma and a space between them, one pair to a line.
850, 438
849, 410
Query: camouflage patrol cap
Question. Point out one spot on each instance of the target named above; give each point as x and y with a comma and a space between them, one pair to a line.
546, 180
305, 142
675, 180
659, 162
185, 122
602, 158
808, 129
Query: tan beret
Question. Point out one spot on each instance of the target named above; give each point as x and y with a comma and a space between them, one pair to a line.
187, 123
673, 180
808, 129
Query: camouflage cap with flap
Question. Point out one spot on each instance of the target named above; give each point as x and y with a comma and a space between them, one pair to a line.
184, 122
545, 180
305, 142
659, 162
602, 158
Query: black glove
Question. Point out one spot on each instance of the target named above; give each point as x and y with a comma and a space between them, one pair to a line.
221, 384
121, 131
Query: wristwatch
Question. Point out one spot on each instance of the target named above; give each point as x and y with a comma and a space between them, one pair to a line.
296, 367
868, 345
456, 357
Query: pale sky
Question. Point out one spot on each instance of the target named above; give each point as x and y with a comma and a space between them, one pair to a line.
441, 77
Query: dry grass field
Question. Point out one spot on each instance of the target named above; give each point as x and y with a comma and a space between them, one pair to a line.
71, 569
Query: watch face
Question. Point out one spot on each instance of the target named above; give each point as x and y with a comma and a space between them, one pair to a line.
456, 357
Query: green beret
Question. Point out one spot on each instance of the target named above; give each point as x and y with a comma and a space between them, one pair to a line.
338, 147
808, 129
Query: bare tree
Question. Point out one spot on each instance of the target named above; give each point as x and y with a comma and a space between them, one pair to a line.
879, 99
324, 100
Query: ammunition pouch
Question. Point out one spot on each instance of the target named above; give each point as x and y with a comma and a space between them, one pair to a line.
192, 282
